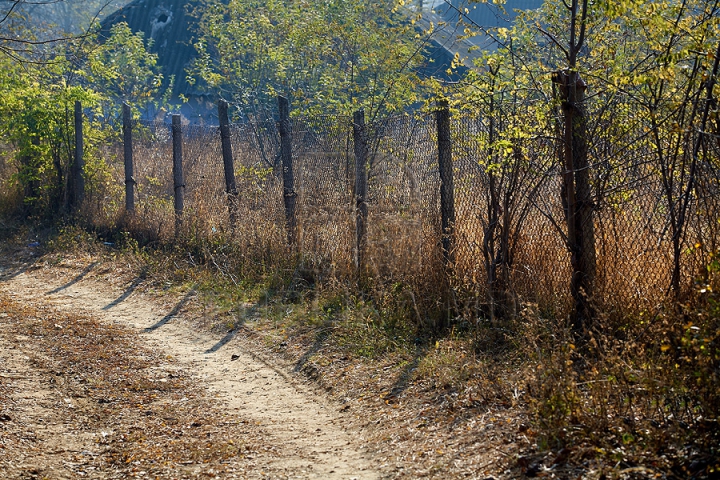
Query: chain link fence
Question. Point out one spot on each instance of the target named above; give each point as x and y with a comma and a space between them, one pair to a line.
509, 219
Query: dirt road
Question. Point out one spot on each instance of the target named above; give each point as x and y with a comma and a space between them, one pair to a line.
293, 432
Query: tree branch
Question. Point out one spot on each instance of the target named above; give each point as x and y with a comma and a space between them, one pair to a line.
554, 40
583, 24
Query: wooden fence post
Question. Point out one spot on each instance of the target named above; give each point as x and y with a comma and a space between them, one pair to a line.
178, 182
128, 151
77, 190
230, 185
447, 195
289, 195
361, 208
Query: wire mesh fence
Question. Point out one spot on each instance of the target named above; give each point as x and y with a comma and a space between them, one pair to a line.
508, 231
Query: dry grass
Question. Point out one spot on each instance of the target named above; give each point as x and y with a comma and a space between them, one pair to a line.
624, 399
402, 238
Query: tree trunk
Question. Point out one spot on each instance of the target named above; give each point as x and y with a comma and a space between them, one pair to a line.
577, 199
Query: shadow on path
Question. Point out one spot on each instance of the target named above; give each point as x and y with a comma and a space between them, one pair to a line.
172, 313
128, 291
75, 280
403, 380
320, 338
229, 336
7, 274
247, 313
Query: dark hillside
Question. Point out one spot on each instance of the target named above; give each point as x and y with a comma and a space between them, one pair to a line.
170, 27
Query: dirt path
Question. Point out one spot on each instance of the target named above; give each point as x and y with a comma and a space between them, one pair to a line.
306, 435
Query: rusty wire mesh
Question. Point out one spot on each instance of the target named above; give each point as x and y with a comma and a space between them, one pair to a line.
634, 258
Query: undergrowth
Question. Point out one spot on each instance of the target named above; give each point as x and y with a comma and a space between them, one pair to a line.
641, 391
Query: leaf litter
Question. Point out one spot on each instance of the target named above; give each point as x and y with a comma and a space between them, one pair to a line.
427, 428
83, 398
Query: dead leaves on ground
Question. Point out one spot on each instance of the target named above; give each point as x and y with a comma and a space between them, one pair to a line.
143, 414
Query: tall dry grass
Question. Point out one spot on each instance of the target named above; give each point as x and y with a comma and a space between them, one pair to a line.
402, 252
647, 377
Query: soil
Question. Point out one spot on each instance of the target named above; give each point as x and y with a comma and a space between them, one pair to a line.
107, 374
301, 434
104, 377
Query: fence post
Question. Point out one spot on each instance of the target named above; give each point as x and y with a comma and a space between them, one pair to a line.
361, 208
178, 182
447, 195
230, 185
128, 151
289, 195
77, 190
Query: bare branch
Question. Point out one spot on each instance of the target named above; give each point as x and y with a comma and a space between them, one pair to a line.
552, 221
583, 24
554, 40
10, 11
19, 49
38, 42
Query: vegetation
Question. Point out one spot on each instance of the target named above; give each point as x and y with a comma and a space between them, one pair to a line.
327, 57
40, 82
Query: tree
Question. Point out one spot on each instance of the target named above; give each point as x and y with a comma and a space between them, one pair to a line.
335, 56
672, 87
36, 116
512, 172
123, 69
37, 121
638, 144
577, 196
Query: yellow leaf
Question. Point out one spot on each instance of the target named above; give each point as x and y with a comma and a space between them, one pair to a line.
665, 348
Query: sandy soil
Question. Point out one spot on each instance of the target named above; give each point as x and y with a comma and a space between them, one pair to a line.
304, 435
